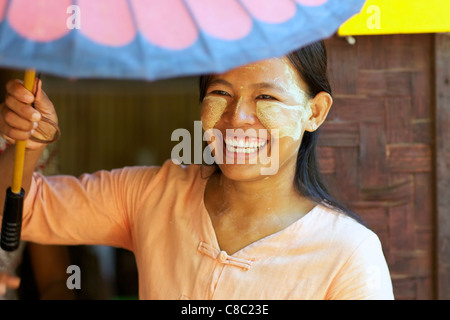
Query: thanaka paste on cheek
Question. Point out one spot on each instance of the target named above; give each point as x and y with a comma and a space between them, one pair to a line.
289, 119
212, 110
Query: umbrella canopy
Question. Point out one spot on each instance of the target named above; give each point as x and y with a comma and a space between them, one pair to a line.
156, 39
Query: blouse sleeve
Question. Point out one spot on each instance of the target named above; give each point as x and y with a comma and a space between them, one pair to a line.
364, 276
92, 209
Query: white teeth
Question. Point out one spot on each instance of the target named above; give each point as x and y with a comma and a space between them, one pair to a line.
242, 146
242, 143
230, 148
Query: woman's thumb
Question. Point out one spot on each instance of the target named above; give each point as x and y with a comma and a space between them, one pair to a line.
42, 103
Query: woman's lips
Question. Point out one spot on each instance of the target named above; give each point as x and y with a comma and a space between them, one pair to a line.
243, 147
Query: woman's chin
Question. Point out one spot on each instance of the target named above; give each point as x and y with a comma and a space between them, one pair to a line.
241, 172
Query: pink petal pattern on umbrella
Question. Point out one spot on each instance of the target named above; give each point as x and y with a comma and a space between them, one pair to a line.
107, 22
224, 19
271, 11
2, 8
168, 24
31, 18
311, 3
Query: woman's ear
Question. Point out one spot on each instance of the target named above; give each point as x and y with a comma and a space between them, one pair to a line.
320, 106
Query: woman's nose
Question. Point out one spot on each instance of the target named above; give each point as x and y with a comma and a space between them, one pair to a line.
240, 113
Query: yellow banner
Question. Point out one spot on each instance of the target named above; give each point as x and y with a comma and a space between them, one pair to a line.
399, 16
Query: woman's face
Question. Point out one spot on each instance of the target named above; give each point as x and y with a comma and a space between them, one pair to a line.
259, 113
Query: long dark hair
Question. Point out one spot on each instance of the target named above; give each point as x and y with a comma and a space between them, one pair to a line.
311, 64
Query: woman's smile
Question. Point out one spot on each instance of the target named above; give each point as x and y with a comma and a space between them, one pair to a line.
242, 148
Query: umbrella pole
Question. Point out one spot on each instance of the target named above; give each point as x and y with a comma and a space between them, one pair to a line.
20, 145
12, 213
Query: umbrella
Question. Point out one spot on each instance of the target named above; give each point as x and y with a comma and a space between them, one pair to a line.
155, 39
150, 39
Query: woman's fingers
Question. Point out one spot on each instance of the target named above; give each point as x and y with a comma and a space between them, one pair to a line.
13, 126
23, 109
17, 117
19, 120
14, 120
17, 90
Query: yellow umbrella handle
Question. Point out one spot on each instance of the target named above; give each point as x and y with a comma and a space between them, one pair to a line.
20, 145
12, 213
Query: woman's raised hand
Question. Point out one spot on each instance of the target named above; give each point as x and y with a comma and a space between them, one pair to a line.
20, 121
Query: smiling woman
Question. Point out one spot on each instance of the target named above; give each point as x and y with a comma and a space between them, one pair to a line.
225, 231
296, 101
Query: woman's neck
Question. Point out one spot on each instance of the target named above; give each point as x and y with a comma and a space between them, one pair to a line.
243, 212
270, 195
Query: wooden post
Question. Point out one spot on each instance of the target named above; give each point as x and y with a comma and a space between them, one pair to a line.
442, 56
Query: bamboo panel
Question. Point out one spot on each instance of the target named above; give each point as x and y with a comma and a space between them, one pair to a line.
376, 149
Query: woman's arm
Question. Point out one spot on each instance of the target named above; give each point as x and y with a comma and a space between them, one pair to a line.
91, 209
63, 209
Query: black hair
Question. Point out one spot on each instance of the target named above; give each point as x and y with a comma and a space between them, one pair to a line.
311, 64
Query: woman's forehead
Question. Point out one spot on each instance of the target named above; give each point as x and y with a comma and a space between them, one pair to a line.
266, 71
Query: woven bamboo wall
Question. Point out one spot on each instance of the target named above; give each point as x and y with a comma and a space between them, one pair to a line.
377, 148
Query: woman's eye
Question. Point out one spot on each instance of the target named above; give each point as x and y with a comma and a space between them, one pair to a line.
266, 97
220, 92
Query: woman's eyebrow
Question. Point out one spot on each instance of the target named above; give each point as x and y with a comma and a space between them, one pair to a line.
220, 81
268, 85
262, 85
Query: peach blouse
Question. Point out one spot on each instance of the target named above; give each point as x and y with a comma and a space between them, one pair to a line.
159, 214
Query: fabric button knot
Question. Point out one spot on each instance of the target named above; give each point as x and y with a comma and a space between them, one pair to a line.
222, 256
